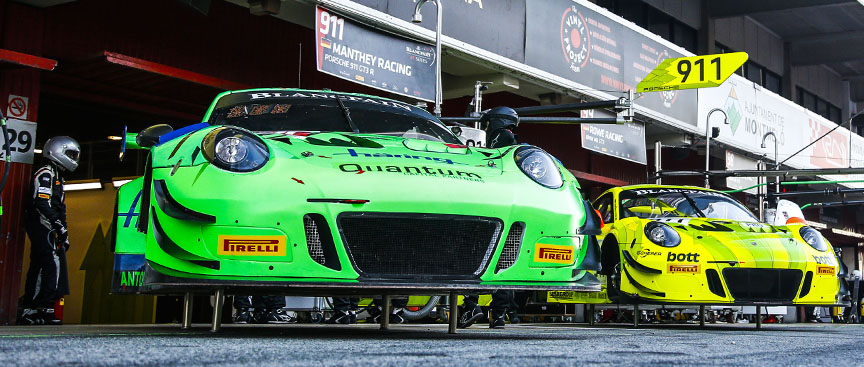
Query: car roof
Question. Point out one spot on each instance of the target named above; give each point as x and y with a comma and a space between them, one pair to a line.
646, 186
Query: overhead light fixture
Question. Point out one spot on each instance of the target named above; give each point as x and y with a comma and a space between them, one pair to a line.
114, 137
78, 186
37, 151
118, 183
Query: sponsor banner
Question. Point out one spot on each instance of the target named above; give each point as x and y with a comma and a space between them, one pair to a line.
22, 139
626, 141
573, 41
251, 245
752, 112
577, 297
128, 275
493, 25
739, 162
351, 51
826, 270
683, 269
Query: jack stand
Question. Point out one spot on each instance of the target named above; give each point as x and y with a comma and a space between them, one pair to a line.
385, 312
636, 315
187, 311
758, 317
591, 315
217, 310
454, 313
701, 315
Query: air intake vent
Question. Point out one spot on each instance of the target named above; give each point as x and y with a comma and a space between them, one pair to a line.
319, 241
805, 288
511, 247
714, 283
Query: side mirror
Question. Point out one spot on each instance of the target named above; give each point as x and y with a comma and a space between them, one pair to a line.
456, 130
150, 136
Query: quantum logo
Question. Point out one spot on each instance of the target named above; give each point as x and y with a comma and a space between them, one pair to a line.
553, 254
575, 39
251, 245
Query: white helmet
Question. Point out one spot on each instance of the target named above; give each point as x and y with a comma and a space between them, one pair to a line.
62, 150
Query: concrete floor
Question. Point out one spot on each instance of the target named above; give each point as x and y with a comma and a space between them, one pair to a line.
430, 345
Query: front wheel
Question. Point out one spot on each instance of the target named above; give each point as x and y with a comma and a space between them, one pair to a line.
611, 260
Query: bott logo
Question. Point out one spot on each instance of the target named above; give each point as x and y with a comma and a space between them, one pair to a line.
688, 257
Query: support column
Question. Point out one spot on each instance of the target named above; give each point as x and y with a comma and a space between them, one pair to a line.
758, 317
217, 310
187, 311
636, 315
591, 314
385, 312
702, 315
454, 313
706, 32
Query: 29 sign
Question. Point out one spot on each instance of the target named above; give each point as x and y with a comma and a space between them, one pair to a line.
692, 72
21, 136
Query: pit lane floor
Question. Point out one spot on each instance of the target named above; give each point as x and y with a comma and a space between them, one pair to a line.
430, 345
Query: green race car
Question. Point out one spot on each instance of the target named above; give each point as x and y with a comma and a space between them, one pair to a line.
315, 192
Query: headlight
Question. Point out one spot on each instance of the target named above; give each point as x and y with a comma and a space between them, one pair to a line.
539, 166
813, 238
661, 234
235, 149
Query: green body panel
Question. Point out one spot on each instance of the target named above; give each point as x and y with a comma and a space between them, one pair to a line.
128, 239
401, 176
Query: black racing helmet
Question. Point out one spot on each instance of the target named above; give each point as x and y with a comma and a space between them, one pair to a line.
500, 117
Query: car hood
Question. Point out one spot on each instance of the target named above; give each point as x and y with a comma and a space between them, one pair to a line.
749, 244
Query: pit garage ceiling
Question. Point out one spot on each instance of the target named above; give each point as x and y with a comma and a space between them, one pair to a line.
816, 32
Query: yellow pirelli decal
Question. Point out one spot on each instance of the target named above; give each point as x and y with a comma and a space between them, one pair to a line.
251, 245
825, 270
686, 269
544, 253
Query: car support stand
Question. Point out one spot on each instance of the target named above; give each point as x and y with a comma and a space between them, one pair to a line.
217, 310
636, 315
758, 317
385, 312
702, 315
590, 315
454, 313
187, 311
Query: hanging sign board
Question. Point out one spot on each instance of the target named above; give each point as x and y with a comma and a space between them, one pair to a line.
625, 141
22, 136
351, 51
692, 72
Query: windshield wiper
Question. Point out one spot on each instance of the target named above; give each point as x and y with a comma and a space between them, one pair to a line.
347, 113
693, 204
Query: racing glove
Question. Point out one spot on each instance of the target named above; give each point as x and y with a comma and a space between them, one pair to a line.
62, 235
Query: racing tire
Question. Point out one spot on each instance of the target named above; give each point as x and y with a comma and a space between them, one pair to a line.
610, 258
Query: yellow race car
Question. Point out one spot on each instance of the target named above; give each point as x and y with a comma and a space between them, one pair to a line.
690, 245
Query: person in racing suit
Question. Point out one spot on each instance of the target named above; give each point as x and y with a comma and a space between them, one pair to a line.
261, 310
345, 310
498, 123
45, 221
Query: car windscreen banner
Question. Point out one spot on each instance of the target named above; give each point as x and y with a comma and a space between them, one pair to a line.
568, 39
354, 52
625, 141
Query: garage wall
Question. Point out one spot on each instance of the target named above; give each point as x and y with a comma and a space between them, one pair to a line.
744, 34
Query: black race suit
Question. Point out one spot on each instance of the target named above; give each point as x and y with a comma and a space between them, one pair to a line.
47, 278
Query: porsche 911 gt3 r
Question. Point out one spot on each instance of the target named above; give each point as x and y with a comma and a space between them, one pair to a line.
296, 191
679, 244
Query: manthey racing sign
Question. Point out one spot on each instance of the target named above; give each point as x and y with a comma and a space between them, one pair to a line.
350, 51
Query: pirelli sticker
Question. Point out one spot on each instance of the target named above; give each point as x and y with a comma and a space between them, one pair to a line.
251, 245
555, 254
826, 270
683, 269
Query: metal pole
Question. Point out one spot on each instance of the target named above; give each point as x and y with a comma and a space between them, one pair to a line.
702, 315
438, 92
217, 310
776, 157
636, 315
708, 142
758, 317
591, 314
385, 312
187, 311
454, 313
658, 160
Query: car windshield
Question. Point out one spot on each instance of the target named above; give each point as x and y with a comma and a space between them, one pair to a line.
321, 112
664, 203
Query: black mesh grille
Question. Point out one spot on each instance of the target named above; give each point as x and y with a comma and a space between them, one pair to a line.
411, 246
313, 240
762, 284
511, 247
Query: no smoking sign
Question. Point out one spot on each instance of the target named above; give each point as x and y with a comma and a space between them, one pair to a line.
17, 107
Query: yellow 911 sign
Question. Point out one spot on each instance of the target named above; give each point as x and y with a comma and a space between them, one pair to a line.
692, 72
